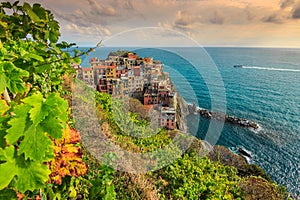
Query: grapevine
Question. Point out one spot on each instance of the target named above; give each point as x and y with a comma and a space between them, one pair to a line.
34, 116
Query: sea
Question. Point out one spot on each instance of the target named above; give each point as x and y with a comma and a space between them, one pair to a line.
266, 90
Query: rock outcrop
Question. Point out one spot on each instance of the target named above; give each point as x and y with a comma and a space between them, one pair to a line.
182, 111
223, 117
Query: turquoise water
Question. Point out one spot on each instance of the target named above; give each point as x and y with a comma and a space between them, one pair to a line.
267, 92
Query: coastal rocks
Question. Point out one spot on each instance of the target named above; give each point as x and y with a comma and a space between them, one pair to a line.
241, 122
181, 112
222, 117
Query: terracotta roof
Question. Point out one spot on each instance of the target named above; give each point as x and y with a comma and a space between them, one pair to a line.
101, 67
86, 69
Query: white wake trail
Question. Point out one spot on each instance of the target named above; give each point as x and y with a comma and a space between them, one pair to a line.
272, 69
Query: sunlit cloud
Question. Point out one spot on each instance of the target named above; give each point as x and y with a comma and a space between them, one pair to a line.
211, 22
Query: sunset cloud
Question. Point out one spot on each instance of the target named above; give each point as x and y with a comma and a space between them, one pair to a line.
185, 20
213, 22
287, 3
296, 12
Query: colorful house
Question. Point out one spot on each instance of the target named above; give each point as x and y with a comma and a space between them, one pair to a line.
168, 119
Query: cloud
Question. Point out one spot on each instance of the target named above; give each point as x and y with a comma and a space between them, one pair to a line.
296, 12
218, 18
88, 31
128, 4
283, 14
98, 9
286, 3
205, 19
97, 14
275, 18
185, 20
77, 17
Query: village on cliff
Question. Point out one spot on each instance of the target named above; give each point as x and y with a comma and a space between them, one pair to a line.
124, 74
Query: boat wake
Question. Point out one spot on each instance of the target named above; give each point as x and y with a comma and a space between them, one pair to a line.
272, 69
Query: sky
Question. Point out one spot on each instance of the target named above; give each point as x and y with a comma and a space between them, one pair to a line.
247, 23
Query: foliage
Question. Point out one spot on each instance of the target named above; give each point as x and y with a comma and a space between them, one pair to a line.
27, 140
29, 52
102, 186
97, 183
100, 177
68, 157
135, 186
226, 157
33, 114
135, 106
70, 188
259, 188
192, 177
8, 194
135, 118
105, 101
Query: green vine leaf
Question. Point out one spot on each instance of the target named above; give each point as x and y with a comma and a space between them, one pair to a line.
32, 74
40, 11
3, 107
12, 77
8, 169
8, 194
37, 112
34, 120
34, 56
18, 124
30, 12
36, 144
30, 174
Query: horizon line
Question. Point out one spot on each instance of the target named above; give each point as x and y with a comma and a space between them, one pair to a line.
204, 46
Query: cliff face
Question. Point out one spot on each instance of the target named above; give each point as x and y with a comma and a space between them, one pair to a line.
182, 111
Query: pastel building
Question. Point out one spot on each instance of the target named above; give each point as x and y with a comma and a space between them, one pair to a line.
87, 75
167, 118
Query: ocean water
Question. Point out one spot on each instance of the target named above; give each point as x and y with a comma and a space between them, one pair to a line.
266, 91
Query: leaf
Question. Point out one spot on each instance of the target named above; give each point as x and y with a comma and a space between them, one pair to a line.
59, 104
53, 37
11, 77
37, 112
36, 144
3, 107
41, 12
56, 120
77, 60
43, 68
8, 194
30, 174
16, 3
3, 128
30, 12
6, 4
54, 25
53, 127
18, 124
8, 169
2, 82
32, 120
68, 157
3, 24
35, 56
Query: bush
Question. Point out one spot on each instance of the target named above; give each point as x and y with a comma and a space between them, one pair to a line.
192, 177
